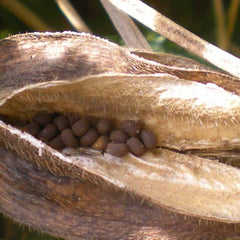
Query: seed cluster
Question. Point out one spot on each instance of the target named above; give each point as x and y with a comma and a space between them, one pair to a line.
69, 130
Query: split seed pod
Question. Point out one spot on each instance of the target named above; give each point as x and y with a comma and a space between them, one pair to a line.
188, 106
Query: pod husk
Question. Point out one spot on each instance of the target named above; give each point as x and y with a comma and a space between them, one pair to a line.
90, 76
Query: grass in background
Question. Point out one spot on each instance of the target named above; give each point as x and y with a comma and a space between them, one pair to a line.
13, 231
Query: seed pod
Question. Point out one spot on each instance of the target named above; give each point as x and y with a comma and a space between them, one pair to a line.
135, 146
101, 143
57, 143
118, 136
149, 139
61, 122
104, 126
42, 119
68, 138
48, 133
80, 127
133, 128
72, 118
197, 121
117, 149
33, 129
89, 138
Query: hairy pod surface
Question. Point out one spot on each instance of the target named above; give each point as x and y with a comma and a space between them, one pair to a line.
192, 110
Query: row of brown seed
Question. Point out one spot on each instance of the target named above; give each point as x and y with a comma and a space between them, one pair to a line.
60, 131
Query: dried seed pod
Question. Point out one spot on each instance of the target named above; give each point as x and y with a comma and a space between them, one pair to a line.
33, 128
104, 126
42, 119
197, 121
118, 136
136, 146
133, 128
68, 138
80, 127
72, 118
61, 122
149, 139
117, 149
101, 143
57, 143
48, 132
89, 138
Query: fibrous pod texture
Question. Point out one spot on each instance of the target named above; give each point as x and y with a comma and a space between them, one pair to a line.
69, 102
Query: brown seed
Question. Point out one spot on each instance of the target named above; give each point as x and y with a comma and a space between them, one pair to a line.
135, 146
33, 128
133, 128
43, 119
117, 149
57, 143
92, 120
61, 122
149, 139
89, 138
118, 136
48, 133
101, 143
104, 126
80, 127
72, 118
68, 138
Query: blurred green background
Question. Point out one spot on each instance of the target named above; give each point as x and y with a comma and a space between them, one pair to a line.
214, 20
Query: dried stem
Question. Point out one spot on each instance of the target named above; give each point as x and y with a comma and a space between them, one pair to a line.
164, 26
128, 30
72, 16
25, 15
